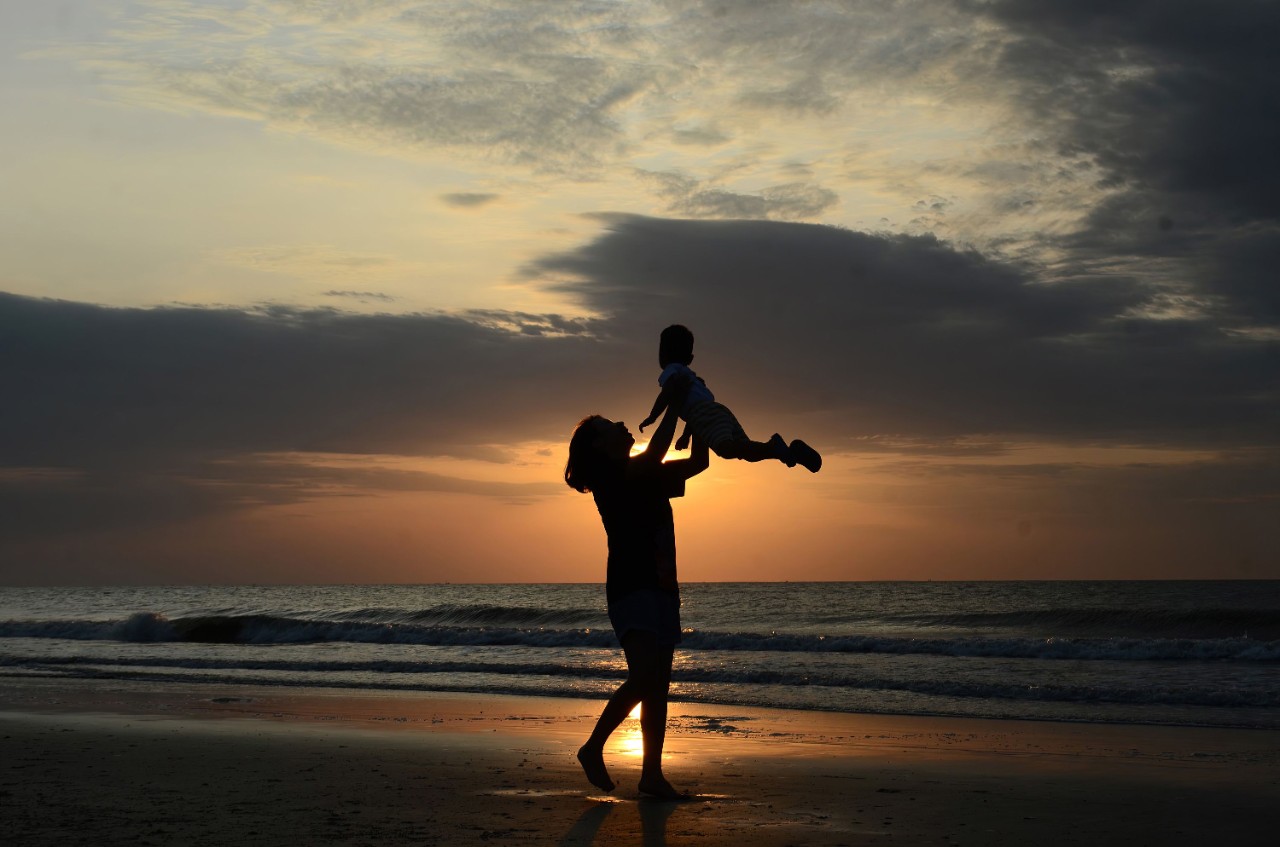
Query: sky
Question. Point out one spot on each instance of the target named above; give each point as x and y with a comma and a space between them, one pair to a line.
314, 291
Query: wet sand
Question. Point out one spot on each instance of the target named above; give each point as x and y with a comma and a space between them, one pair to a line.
110, 762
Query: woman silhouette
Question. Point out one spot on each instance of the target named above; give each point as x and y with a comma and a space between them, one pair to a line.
633, 496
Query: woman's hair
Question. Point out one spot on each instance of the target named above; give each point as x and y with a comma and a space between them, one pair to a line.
586, 464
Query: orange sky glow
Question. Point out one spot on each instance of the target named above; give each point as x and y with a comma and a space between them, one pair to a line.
315, 292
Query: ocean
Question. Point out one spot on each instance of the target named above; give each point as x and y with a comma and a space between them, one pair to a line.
1176, 653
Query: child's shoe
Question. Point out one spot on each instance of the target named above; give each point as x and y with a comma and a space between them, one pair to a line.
803, 454
781, 450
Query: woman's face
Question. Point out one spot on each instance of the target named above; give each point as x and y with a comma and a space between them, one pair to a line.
613, 439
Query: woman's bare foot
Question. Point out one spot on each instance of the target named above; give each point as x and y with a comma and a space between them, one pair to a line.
657, 786
592, 762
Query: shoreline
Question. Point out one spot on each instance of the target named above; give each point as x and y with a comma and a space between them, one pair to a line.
358, 692
143, 763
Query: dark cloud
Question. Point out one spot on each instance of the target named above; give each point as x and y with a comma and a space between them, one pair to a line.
906, 335
1166, 95
89, 386
1171, 102
854, 336
119, 419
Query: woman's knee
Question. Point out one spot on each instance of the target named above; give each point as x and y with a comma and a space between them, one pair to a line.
648, 661
646, 683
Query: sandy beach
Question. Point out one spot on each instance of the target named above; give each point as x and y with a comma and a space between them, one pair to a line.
112, 762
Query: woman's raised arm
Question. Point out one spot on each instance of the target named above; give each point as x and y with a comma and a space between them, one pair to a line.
699, 460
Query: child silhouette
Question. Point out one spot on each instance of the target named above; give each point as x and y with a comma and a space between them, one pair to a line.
709, 420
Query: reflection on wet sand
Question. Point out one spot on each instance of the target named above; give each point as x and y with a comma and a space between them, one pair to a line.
627, 739
653, 821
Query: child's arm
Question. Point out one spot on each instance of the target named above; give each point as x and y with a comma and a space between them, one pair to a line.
673, 389
660, 403
657, 447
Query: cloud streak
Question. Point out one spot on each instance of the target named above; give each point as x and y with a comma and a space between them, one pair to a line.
468, 200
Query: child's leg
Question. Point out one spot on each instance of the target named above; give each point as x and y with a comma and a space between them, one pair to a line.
804, 456
797, 453
754, 451
720, 430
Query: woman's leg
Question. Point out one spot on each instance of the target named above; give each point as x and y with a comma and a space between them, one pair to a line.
591, 754
653, 727
647, 682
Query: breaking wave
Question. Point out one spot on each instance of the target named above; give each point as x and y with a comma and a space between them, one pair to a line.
1261, 624
508, 626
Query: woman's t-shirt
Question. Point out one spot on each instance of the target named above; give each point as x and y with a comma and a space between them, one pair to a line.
636, 511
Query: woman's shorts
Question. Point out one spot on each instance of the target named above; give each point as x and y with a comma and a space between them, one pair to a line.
650, 610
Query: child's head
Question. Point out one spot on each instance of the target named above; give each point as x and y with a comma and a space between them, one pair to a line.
675, 346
